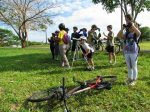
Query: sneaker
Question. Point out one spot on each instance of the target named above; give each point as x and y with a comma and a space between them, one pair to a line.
92, 68
63, 64
88, 67
128, 82
133, 83
114, 63
110, 62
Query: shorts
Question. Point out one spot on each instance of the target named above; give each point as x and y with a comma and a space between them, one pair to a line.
110, 49
74, 44
90, 55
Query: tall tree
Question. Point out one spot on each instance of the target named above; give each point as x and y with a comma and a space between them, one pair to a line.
134, 7
25, 15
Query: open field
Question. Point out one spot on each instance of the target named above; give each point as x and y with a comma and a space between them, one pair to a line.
24, 71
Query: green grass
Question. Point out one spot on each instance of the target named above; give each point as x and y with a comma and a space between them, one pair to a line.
145, 45
24, 71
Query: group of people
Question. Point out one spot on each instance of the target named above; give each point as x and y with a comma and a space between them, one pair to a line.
129, 34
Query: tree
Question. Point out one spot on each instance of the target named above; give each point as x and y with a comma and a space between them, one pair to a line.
145, 33
7, 36
25, 15
134, 7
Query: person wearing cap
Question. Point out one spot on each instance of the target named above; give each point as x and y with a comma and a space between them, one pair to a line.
52, 44
63, 46
88, 52
92, 34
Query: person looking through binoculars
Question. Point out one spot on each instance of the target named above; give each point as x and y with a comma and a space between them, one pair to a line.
92, 34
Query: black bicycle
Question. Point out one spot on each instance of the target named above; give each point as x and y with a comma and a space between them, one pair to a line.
62, 93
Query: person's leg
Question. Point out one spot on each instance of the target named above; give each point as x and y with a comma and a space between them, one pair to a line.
110, 57
113, 54
61, 54
92, 63
134, 66
73, 50
64, 56
56, 51
130, 71
90, 60
114, 57
52, 51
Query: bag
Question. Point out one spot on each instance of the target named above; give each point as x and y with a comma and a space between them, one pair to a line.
66, 39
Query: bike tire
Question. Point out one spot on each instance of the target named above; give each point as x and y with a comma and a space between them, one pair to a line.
44, 95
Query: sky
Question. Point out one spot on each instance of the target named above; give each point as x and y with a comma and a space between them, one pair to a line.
83, 13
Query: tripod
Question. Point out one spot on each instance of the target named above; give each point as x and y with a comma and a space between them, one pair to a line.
76, 52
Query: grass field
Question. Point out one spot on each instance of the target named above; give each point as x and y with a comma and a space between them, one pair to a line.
24, 71
145, 45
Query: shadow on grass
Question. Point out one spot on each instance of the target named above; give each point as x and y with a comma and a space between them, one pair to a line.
28, 62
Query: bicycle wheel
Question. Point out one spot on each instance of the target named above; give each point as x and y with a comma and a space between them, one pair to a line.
117, 49
44, 95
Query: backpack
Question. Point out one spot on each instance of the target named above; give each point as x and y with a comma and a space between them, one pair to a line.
66, 39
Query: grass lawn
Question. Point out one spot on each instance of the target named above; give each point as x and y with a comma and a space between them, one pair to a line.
24, 71
145, 45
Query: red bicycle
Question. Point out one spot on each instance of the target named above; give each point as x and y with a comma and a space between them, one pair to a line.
62, 93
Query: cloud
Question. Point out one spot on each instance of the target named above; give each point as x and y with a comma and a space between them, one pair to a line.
83, 13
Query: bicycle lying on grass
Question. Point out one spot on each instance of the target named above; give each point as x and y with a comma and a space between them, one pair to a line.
59, 94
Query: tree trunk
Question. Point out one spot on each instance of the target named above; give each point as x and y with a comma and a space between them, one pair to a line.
23, 43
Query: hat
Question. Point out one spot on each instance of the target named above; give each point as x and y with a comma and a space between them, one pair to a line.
83, 37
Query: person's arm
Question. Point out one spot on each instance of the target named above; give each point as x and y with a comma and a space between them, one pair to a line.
120, 34
136, 30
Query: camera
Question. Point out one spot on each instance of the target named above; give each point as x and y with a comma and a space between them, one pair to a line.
83, 29
98, 29
128, 25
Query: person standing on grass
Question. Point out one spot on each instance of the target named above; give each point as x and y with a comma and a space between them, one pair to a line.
130, 48
110, 44
63, 46
74, 36
56, 45
88, 52
92, 34
52, 45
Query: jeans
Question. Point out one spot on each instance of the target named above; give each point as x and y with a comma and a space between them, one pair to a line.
131, 61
